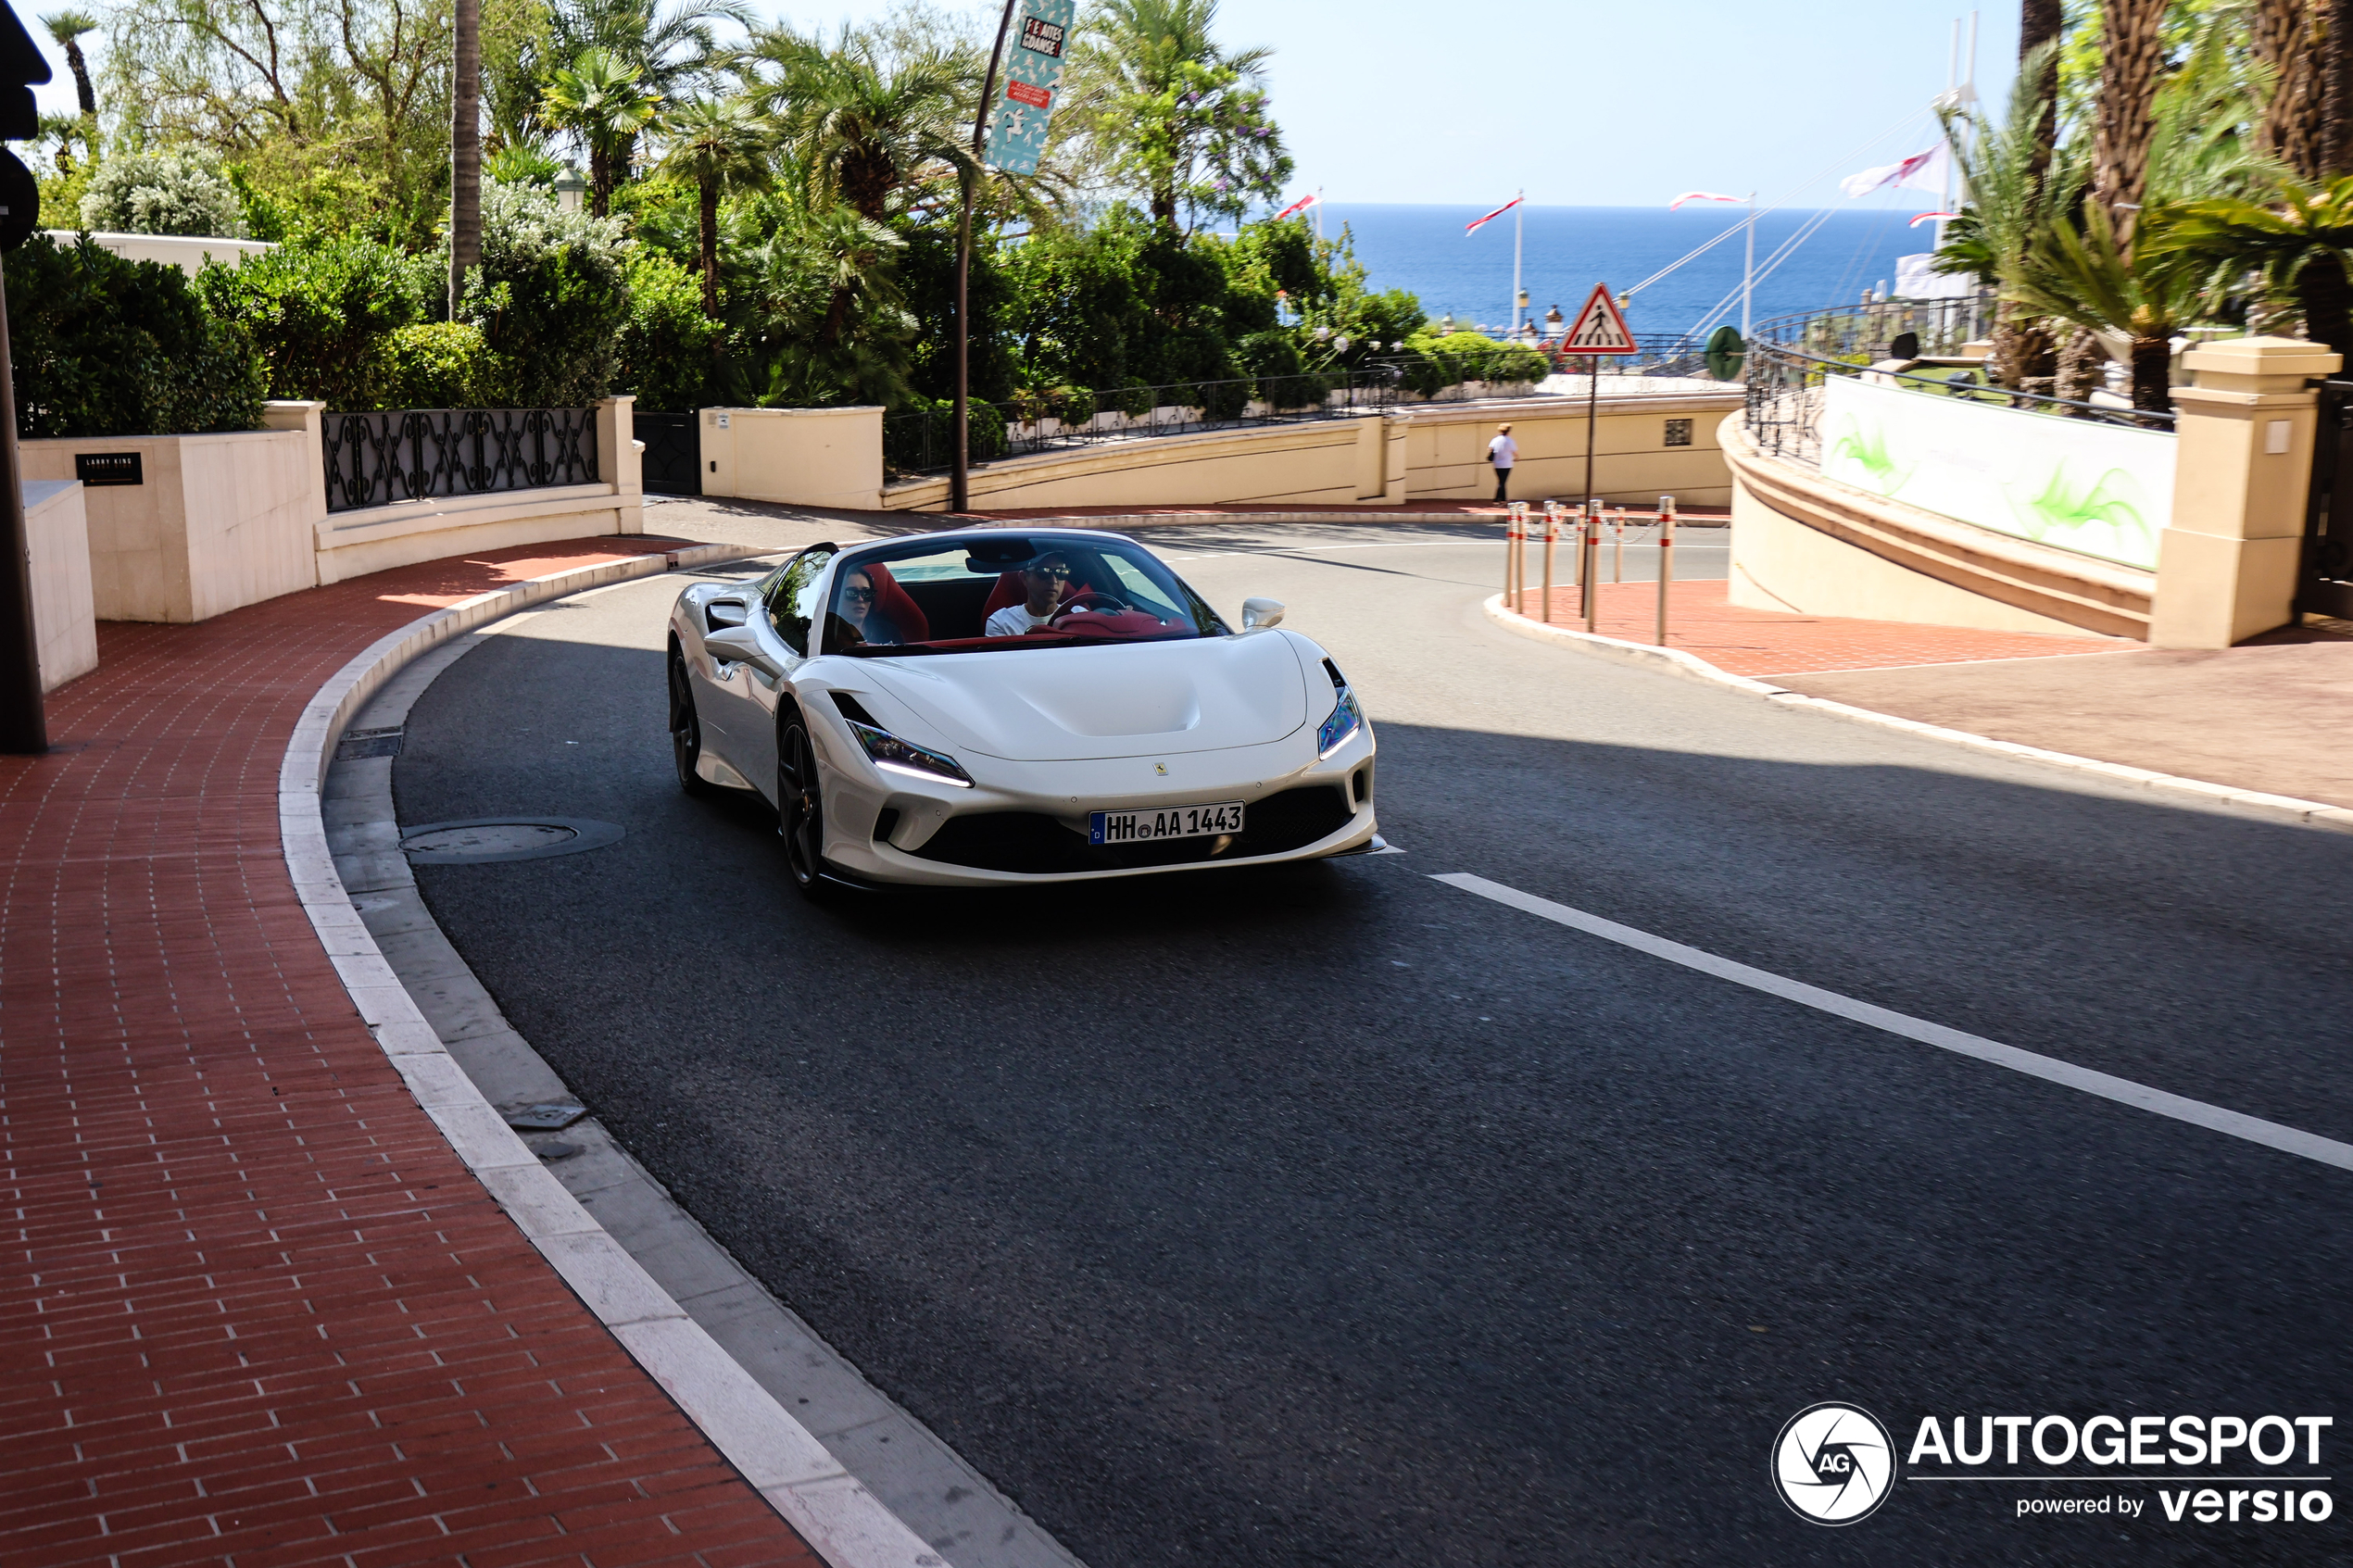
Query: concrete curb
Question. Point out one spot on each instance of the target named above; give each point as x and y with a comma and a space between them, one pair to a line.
1675, 661
837, 1516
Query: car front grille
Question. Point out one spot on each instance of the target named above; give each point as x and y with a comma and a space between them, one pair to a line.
1033, 843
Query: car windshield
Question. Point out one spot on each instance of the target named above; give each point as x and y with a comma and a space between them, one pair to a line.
993, 592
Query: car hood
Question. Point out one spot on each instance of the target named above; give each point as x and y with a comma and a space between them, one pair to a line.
1143, 699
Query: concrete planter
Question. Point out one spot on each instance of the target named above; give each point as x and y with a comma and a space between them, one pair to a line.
213, 521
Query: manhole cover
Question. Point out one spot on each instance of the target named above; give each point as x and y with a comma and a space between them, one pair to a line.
485, 840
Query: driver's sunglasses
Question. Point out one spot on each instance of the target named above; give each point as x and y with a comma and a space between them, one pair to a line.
1059, 571
866, 594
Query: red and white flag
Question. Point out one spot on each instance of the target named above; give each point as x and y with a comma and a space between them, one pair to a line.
1701, 196
1928, 217
1921, 171
1472, 226
1301, 204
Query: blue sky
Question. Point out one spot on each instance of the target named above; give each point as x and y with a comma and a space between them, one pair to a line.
1581, 103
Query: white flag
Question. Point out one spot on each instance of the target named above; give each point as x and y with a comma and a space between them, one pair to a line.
1921, 171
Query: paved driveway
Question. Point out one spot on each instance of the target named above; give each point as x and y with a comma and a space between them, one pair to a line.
1343, 1215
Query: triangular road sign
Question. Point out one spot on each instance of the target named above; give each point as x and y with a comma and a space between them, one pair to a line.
1599, 328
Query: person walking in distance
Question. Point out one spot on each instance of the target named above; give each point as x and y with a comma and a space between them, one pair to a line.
1503, 452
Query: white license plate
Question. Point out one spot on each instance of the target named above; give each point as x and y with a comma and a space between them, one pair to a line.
1163, 822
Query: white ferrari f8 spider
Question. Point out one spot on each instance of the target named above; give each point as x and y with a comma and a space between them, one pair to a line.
991, 707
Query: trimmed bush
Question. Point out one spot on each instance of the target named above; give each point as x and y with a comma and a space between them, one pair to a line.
437, 365
106, 347
162, 194
319, 315
550, 297
670, 350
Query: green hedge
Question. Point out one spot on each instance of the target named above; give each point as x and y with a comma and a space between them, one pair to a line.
105, 347
320, 315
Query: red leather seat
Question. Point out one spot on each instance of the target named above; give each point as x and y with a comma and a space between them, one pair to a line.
895, 604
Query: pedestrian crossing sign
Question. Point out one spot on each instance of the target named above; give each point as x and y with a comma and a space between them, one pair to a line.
1600, 327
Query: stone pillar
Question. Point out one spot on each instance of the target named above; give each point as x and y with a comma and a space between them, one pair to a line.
309, 418
2226, 564
1395, 424
619, 460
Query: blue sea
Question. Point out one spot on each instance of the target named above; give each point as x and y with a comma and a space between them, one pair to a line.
1568, 249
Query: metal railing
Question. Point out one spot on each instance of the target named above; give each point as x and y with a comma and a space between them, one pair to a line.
1043, 421
414, 454
922, 443
1791, 357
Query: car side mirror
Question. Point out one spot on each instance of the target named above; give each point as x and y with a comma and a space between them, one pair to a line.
1259, 614
736, 644
721, 613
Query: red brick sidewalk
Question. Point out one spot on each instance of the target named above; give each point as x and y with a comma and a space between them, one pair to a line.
1764, 642
253, 1310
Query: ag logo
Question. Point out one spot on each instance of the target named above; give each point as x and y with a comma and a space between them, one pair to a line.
1833, 1463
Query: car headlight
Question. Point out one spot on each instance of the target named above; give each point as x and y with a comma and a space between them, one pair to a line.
895, 756
1346, 717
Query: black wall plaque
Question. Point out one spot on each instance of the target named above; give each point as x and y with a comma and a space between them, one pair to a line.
107, 468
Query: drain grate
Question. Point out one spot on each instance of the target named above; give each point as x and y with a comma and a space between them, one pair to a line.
544, 1116
357, 743
490, 840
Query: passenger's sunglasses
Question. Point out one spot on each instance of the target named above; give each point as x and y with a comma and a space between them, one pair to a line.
866, 594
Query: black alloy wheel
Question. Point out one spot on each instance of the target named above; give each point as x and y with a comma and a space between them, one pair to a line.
800, 808
685, 729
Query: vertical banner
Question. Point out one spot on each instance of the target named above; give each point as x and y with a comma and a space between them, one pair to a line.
1033, 76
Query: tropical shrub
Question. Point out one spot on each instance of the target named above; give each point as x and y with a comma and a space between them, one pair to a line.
670, 350
551, 296
318, 314
162, 194
438, 365
105, 347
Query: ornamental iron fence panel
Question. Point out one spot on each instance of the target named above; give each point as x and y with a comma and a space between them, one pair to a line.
415, 454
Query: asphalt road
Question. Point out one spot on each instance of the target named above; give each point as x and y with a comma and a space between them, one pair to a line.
1341, 1216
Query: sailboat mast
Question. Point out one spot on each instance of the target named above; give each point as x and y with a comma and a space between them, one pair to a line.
1748, 268
1519, 229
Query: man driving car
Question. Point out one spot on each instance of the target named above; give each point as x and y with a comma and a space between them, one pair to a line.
1042, 580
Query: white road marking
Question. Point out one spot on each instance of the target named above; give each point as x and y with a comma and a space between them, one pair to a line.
2288, 1140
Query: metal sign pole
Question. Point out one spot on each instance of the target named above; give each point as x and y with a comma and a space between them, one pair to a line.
1592, 565
1552, 534
960, 475
1665, 559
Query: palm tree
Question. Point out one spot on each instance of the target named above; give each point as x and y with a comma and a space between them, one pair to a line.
2015, 192
2086, 277
2289, 39
67, 26
2041, 24
673, 47
601, 101
465, 149
866, 128
1171, 112
720, 144
2303, 244
2132, 64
